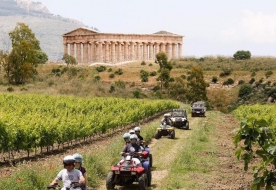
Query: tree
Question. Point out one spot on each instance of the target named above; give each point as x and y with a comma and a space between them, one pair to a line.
69, 60
242, 55
25, 55
165, 68
196, 85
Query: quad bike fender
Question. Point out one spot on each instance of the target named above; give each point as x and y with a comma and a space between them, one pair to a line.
140, 170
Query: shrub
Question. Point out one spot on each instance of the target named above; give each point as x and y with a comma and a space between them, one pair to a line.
112, 89
245, 90
242, 55
143, 63
119, 72
241, 82
112, 75
144, 75
183, 76
150, 64
228, 82
268, 73
214, 79
137, 94
109, 70
73, 71
171, 79
10, 89
97, 78
252, 81
120, 84
101, 68
153, 73
226, 72
156, 88
253, 74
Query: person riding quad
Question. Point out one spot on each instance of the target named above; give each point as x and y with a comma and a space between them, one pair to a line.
69, 174
166, 120
140, 138
126, 138
78, 166
131, 132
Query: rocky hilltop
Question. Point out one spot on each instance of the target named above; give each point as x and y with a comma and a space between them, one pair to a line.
47, 27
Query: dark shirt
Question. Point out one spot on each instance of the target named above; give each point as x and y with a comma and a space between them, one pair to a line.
140, 137
135, 146
82, 169
168, 121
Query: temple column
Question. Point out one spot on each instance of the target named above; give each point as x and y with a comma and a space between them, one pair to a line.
157, 48
174, 51
92, 52
139, 52
85, 52
113, 52
126, 56
131, 54
100, 52
79, 58
145, 51
151, 56
72, 50
163, 47
107, 52
168, 51
65, 48
179, 51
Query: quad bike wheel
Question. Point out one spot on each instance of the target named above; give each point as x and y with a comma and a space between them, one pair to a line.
172, 135
187, 125
157, 135
149, 177
109, 181
143, 182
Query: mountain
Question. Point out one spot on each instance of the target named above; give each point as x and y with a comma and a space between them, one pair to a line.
47, 27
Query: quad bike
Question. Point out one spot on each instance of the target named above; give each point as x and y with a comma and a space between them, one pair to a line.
73, 186
127, 171
164, 130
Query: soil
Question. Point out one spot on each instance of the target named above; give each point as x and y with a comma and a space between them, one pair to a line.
227, 174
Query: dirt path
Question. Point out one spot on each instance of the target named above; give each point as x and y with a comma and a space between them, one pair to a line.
164, 151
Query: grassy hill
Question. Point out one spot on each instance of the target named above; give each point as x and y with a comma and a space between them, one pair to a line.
47, 27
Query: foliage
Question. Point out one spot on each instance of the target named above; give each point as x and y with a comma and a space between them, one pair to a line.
69, 60
144, 75
52, 114
196, 85
101, 68
242, 55
226, 72
245, 90
229, 81
268, 73
25, 55
97, 78
153, 73
214, 79
256, 139
165, 68
112, 75
120, 84
178, 89
119, 72
143, 63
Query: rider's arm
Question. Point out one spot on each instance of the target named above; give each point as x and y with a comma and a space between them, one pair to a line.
84, 175
124, 150
54, 181
82, 180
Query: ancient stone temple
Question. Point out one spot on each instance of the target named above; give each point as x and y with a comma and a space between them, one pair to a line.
89, 46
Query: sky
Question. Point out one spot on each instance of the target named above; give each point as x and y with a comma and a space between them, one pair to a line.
209, 27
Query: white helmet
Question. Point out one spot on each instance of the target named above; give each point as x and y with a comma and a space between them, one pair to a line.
137, 129
167, 115
126, 136
78, 157
131, 132
133, 136
68, 160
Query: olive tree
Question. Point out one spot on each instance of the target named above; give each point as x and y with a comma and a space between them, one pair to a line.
241, 55
25, 55
165, 68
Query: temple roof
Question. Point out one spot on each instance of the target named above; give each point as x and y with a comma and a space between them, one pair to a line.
163, 32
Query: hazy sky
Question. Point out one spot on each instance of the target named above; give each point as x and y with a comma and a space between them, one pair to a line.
209, 27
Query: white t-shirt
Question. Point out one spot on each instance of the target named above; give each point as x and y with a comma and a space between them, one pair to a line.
67, 177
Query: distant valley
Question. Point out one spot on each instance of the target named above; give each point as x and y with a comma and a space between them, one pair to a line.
47, 27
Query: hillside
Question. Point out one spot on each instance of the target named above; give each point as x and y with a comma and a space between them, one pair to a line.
47, 27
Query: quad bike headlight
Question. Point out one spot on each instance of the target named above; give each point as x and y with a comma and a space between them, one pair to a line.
117, 172
133, 173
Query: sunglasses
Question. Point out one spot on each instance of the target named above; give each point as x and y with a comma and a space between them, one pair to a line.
68, 165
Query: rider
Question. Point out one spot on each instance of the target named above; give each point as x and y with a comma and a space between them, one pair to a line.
78, 166
126, 138
131, 132
167, 120
69, 174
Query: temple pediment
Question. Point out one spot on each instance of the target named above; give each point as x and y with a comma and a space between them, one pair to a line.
81, 31
165, 33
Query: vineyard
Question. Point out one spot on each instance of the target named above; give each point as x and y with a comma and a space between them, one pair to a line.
31, 122
256, 143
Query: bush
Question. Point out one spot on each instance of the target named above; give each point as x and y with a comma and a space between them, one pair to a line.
226, 72
228, 82
241, 82
112, 89
153, 73
253, 74
242, 55
10, 89
150, 64
252, 81
97, 78
171, 79
119, 72
120, 84
101, 68
111, 75
245, 90
268, 73
156, 88
214, 79
137, 94
143, 63
109, 70
144, 75
183, 76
